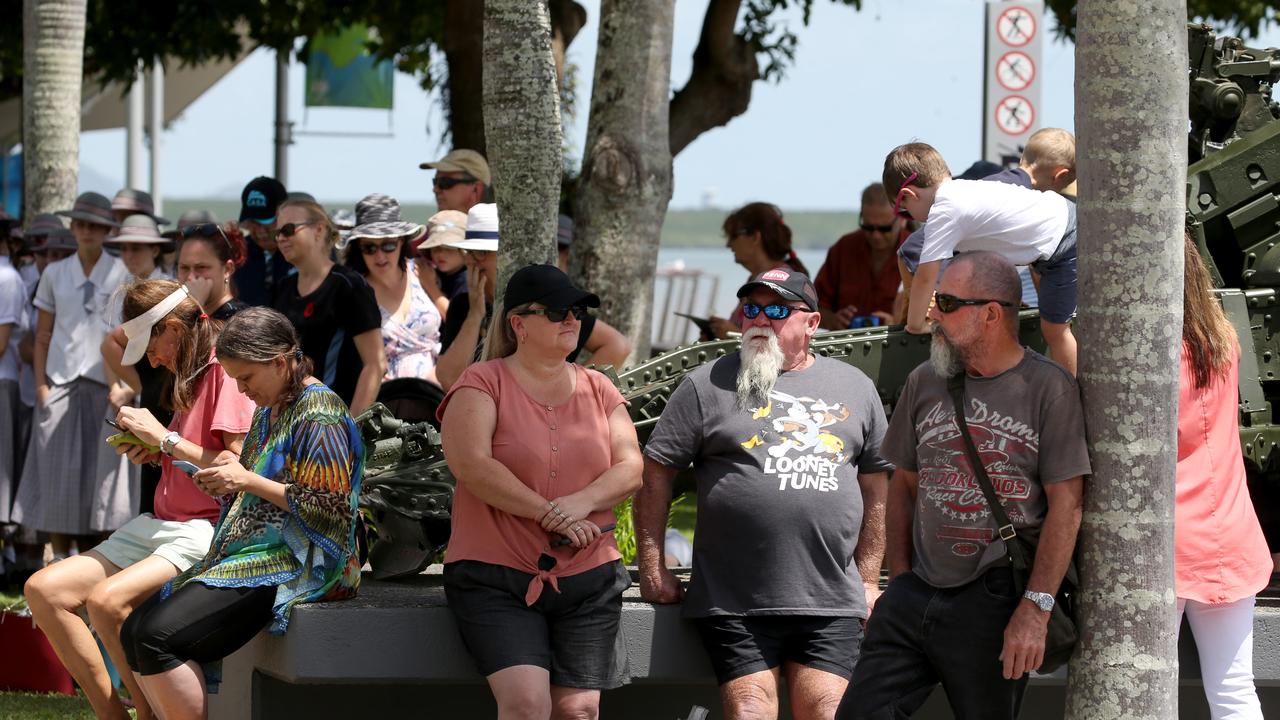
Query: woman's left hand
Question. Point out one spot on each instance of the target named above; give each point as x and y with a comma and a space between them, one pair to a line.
224, 479
142, 424
571, 509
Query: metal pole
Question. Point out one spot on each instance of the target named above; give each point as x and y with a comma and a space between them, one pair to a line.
157, 131
282, 117
135, 109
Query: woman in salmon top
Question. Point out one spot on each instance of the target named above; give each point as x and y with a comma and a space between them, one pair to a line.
542, 450
1221, 555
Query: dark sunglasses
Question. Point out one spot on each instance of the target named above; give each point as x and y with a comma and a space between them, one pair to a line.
772, 311
948, 304
291, 229
448, 183
556, 315
897, 200
882, 229
388, 247
205, 230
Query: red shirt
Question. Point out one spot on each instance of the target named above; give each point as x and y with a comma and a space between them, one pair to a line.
1220, 553
848, 278
218, 408
555, 450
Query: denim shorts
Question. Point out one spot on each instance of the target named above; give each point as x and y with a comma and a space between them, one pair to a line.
740, 646
1058, 276
574, 634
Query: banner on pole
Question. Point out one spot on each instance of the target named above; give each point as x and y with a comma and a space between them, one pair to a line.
341, 72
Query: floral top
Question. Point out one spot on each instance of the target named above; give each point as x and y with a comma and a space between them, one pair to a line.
412, 346
309, 551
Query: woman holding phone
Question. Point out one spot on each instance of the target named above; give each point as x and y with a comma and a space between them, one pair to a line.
211, 418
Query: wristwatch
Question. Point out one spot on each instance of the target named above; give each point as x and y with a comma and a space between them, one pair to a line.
1044, 601
169, 442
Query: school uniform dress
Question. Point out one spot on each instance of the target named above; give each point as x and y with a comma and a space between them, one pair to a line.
60, 475
12, 311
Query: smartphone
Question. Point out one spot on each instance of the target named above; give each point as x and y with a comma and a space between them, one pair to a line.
186, 467
113, 424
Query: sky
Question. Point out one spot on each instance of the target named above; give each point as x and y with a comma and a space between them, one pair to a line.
862, 82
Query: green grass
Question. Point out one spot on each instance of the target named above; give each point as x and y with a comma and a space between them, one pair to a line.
35, 706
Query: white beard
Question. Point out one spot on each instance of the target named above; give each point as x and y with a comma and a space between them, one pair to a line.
761, 364
944, 356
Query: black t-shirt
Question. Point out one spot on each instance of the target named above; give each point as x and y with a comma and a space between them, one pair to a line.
228, 309
328, 320
453, 284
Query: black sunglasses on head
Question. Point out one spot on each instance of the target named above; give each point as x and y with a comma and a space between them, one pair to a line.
448, 183
387, 246
556, 315
207, 231
882, 229
948, 304
291, 229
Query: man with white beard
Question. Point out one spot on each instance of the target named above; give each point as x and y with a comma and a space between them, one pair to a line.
790, 535
952, 613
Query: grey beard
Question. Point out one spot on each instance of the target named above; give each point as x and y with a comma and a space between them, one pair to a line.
759, 370
946, 358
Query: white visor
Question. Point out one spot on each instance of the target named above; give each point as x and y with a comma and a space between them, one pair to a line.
138, 330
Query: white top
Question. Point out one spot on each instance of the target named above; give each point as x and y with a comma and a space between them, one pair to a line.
13, 301
1021, 224
30, 275
79, 305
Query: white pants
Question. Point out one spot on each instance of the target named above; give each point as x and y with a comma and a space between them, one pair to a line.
1224, 637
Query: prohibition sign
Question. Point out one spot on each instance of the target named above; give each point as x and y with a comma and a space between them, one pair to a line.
1015, 115
1015, 71
1016, 26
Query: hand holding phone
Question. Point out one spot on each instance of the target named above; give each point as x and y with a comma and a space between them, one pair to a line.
186, 467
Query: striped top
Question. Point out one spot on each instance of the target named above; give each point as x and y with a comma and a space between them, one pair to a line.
309, 551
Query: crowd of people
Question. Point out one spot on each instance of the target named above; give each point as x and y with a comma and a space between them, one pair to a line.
184, 467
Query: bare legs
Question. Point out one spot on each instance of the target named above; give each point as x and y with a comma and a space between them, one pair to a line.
813, 694
525, 692
1062, 344
177, 694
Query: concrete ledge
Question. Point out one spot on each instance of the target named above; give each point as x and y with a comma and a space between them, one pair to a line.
399, 642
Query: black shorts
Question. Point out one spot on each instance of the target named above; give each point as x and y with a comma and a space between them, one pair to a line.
740, 646
574, 633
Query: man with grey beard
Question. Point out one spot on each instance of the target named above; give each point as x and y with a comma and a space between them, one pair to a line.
951, 613
787, 550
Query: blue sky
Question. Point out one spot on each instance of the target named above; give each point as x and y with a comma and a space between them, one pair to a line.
862, 82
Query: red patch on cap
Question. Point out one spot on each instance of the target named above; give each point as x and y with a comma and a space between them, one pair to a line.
776, 275
309, 310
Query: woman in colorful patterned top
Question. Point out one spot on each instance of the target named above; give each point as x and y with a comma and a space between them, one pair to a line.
286, 534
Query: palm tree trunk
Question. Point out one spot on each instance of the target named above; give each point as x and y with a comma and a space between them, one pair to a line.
522, 127
626, 174
53, 69
1132, 165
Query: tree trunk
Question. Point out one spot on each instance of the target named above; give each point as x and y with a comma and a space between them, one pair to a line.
522, 125
53, 68
463, 44
719, 88
1132, 168
626, 174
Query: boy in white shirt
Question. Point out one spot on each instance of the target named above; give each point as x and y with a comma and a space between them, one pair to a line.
1028, 227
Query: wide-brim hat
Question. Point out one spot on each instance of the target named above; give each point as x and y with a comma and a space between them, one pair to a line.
46, 232
463, 161
189, 218
139, 229
546, 285
378, 217
787, 283
482, 229
444, 228
93, 208
137, 201
138, 330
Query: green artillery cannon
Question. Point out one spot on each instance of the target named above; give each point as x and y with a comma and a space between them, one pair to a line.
1233, 210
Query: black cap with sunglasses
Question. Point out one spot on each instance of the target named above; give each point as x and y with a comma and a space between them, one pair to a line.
789, 284
548, 286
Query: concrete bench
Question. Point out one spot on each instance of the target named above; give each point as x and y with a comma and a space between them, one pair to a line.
394, 652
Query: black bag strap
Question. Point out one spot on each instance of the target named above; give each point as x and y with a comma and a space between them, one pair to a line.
1004, 528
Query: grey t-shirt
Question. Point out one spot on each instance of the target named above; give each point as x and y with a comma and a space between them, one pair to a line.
779, 504
1028, 426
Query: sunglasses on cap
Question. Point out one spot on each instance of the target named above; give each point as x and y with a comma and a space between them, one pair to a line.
897, 200
948, 304
448, 183
556, 315
773, 311
291, 229
387, 246
882, 229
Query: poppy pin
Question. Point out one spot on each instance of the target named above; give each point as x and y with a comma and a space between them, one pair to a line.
309, 310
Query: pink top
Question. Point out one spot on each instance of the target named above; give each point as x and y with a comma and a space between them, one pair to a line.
555, 450
218, 407
1220, 552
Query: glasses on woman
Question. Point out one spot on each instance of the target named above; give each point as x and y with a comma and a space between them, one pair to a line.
388, 247
291, 229
556, 315
773, 311
205, 230
948, 304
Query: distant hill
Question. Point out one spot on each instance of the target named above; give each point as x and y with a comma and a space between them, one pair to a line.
812, 229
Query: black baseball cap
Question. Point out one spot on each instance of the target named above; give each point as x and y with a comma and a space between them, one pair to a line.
260, 199
547, 285
789, 284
